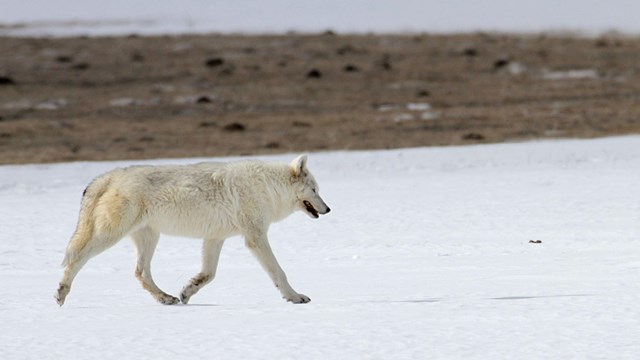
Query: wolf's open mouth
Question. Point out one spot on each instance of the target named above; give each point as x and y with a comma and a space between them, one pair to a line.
311, 209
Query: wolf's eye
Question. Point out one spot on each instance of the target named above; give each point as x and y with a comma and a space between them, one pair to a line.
314, 190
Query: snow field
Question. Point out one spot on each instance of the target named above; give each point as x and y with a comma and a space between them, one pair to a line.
425, 254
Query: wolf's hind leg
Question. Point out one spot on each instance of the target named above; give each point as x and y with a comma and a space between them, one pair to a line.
95, 244
146, 240
70, 272
210, 255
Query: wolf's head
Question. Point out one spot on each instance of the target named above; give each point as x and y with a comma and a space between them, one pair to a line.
306, 189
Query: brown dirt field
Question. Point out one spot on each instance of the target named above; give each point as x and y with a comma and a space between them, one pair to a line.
179, 96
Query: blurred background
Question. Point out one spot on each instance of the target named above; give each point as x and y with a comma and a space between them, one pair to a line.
83, 80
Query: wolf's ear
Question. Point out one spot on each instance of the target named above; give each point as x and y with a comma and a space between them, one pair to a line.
299, 165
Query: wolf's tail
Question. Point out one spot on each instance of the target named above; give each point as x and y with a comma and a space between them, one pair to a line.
86, 221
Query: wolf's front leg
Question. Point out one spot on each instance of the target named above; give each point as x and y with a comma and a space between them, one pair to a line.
210, 256
259, 246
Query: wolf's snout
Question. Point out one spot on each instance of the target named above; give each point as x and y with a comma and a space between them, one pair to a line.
328, 210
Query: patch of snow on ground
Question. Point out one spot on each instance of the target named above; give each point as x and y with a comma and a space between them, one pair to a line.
570, 74
425, 254
418, 106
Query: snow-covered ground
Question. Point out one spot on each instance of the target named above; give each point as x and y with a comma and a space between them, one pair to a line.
425, 255
75, 17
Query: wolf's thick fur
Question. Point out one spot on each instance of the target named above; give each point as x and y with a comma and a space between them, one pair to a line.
212, 201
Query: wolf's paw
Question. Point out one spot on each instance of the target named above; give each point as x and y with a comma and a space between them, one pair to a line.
61, 294
298, 299
167, 299
185, 295
59, 299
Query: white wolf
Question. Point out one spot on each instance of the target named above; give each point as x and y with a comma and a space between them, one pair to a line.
208, 200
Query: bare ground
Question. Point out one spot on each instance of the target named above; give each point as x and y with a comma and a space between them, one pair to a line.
176, 96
